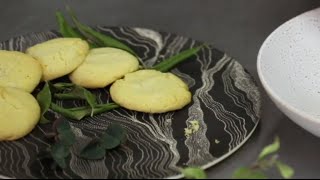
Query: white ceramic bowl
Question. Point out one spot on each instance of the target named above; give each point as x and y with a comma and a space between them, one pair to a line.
289, 69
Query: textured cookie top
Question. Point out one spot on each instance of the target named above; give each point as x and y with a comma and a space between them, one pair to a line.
19, 112
103, 66
151, 91
59, 57
19, 70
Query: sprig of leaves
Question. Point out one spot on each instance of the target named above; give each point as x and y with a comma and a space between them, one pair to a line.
64, 139
79, 92
79, 113
267, 160
98, 39
45, 100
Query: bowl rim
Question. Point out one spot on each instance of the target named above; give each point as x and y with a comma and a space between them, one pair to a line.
265, 84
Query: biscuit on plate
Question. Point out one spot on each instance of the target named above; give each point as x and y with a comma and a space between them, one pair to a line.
19, 70
19, 113
103, 66
150, 91
59, 57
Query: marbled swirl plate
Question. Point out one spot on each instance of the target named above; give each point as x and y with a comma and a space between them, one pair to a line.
226, 103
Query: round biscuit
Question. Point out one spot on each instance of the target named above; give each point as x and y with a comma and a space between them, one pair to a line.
151, 91
19, 70
103, 66
59, 57
19, 113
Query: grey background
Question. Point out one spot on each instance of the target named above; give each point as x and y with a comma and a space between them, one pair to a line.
238, 27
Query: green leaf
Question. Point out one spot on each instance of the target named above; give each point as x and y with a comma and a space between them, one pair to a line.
63, 126
93, 151
59, 153
44, 99
247, 173
79, 113
79, 92
76, 115
108, 142
63, 86
194, 173
63, 26
270, 149
98, 37
66, 136
117, 131
67, 31
286, 171
171, 62
91, 99
100, 108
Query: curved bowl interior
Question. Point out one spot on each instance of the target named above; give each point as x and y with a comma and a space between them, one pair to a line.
289, 67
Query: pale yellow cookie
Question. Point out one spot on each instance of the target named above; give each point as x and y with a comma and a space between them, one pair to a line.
103, 66
59, 57
150, 91
19, 113
19, 70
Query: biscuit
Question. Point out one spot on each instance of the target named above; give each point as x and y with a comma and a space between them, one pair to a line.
150, 91
19, 113
19, 70
59, 57
103, 66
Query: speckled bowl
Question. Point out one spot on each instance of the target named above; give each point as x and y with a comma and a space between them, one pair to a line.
289, 69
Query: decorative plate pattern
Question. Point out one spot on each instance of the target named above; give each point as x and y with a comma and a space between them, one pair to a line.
226, 103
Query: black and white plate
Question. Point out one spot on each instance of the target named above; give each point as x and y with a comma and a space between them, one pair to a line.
226, 103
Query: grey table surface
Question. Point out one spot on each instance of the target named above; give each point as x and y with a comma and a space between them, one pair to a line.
236, 27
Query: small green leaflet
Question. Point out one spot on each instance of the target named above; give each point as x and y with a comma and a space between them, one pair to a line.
112, 138
93, 151
44, 99
108, 142
66, 136
59, 153
91, 99
270, 149
194, 173
286, 171
117, 132
248, 173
